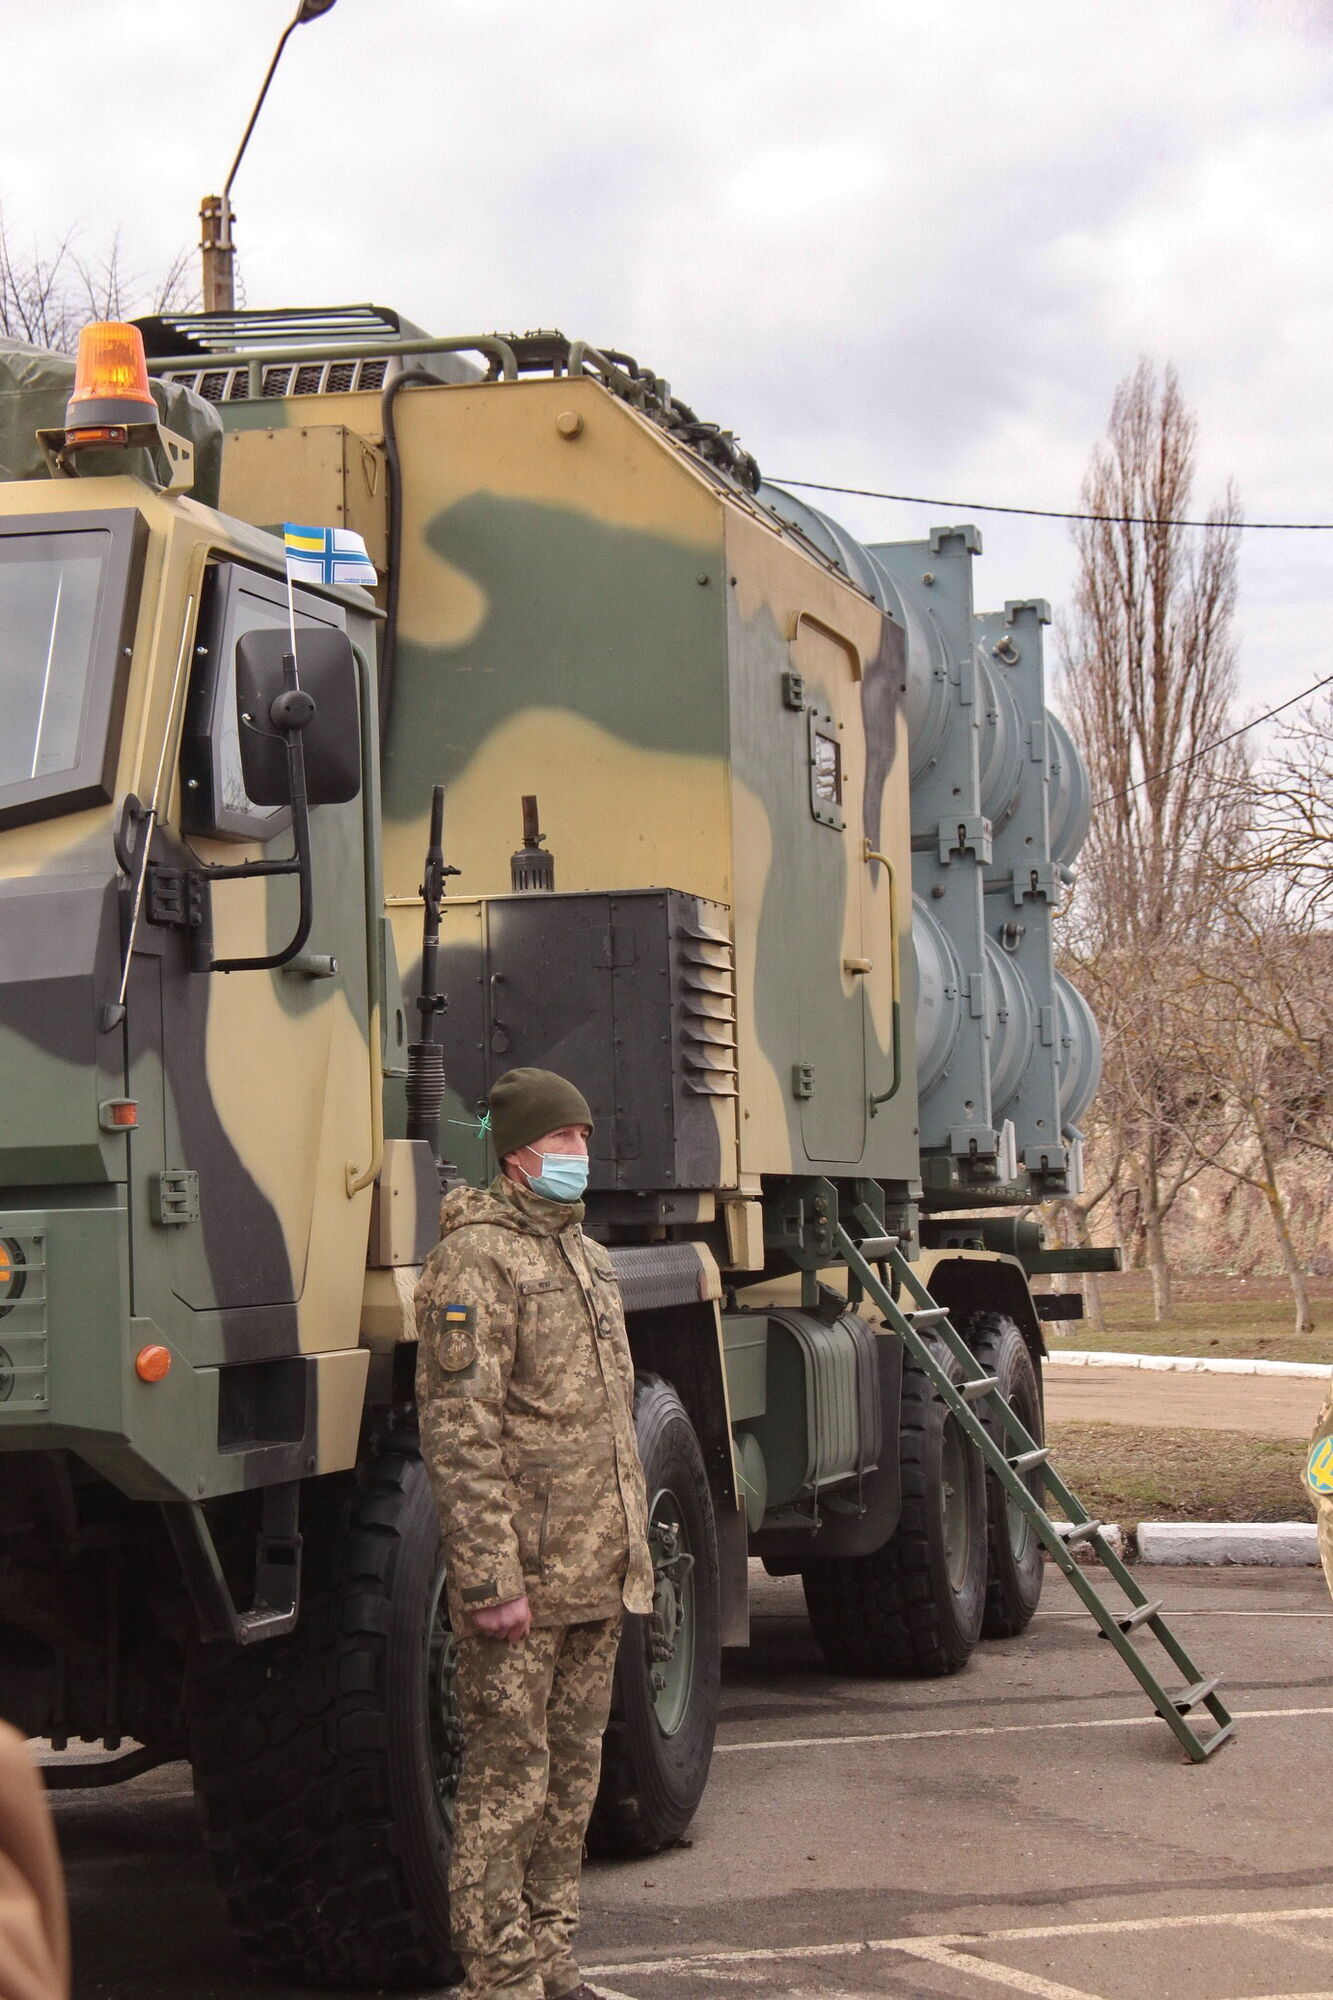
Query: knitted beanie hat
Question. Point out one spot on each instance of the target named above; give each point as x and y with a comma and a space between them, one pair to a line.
528, 1103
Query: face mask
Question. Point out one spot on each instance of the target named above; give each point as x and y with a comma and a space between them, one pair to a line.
563, 1177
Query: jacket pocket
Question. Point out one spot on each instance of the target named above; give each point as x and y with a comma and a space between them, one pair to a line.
531, 1516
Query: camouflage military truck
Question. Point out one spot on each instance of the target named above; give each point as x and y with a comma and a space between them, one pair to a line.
755, 832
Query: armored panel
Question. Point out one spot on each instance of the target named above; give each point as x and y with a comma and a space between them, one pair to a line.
631, 996
317, 472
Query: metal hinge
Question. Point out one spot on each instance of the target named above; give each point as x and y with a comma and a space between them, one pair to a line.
803, 1080
176, 1196
175, 896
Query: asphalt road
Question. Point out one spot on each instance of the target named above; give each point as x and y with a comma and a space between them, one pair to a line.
1272, 1406
1026, 1826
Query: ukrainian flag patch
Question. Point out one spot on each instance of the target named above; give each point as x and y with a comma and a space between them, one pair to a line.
456, 1340
1319, 1470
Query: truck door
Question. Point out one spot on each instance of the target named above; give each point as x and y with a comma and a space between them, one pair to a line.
264, 1075
831, 964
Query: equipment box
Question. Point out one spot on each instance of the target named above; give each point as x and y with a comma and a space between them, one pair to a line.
631, 996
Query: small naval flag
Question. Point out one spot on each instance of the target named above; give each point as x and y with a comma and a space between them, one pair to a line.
326, 555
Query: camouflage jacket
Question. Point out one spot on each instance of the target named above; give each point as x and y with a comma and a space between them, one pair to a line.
525, 1391
1319, 1482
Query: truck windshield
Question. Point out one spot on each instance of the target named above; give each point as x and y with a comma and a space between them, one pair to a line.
49, 591
68, 594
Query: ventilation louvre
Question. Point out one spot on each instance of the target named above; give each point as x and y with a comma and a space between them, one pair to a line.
708, 1011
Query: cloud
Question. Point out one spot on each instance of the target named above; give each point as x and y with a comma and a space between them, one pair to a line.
910, 249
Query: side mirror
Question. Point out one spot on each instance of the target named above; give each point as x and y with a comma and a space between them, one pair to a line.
330, 739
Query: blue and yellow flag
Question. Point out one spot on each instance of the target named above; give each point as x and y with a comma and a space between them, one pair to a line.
327, 555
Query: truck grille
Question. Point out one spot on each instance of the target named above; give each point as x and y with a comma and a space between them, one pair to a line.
23, 1347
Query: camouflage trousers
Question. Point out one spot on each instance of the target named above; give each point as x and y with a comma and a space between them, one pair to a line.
532, 1718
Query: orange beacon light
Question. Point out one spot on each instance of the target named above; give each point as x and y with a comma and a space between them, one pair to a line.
110, 380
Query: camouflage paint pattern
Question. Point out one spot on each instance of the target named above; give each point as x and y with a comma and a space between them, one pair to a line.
532, 1717
525, 1393
259, 1083
1319, 1482
587, 614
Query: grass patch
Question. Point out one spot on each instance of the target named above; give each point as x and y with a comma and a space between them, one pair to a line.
1218, 1317
1136, 1472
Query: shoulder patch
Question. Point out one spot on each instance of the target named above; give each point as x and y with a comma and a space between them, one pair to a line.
1319, 1470
455, 1337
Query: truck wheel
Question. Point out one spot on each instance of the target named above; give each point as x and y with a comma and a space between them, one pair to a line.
914, 1606
1015, 1563
659, 1740
325, 1762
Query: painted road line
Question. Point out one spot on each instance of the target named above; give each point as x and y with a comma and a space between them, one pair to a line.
970, 1942
993, 1729
1200, 1611
1018, 1981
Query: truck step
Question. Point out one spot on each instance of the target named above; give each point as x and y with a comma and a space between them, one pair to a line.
1141, 1615
979, 1387
1028, 1461
1193, 1697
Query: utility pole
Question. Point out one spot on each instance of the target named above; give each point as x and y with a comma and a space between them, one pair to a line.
215, 212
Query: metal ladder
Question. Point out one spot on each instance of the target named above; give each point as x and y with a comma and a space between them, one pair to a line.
1119, 1626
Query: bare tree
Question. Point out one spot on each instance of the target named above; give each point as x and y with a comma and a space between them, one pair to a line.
1149, 678
1259, 1025
47, 295
1287, 804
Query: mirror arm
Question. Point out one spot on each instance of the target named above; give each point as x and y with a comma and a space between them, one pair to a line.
297, 864
289, 713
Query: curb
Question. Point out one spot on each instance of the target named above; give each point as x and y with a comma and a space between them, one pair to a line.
1185, 1364
1214, 1544
1272, 1544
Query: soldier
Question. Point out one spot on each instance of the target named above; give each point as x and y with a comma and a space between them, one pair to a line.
1319, 1482
34, 1935
526, 1395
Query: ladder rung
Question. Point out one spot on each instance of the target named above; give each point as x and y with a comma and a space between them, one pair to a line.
1114, 1622
1133, 1619
1191, 1697
1219, 1736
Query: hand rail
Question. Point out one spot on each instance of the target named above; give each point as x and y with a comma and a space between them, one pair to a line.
870, 854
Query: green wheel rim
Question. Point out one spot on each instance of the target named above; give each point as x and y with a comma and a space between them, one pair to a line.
672, 1628
445, 1731
955, 1514
1020, 1528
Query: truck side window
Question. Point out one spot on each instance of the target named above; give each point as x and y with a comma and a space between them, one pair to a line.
236, 600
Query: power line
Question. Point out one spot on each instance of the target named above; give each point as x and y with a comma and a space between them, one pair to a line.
1183, 763
1056, 513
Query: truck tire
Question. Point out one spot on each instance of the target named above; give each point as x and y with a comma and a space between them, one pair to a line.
1015, 1560
659, 1740
914, 1607
325, 1761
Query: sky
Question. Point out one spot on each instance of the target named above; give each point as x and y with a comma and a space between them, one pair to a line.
905, 247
